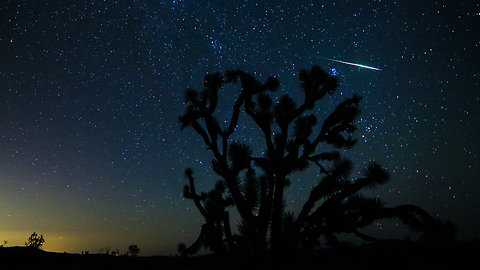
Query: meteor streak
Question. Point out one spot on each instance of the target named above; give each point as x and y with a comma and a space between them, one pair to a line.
352, 64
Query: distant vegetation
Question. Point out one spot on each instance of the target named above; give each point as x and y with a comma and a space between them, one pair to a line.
35, 241
133, 251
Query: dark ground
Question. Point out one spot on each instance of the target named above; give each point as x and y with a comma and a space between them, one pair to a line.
392, 255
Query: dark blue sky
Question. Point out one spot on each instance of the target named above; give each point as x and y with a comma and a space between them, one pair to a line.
91, 152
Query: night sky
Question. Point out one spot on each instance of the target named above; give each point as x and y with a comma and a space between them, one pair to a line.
91, 151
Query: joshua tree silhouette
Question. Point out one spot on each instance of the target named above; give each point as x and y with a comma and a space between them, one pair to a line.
269, 236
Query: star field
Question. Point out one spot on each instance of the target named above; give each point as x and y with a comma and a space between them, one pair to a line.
91, 150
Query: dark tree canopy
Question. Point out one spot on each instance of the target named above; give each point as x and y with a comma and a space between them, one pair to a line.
133, 250
293, 140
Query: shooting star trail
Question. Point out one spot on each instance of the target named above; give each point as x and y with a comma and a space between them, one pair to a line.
126, 175
352, 64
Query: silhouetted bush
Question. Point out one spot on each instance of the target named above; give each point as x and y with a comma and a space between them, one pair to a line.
35, 241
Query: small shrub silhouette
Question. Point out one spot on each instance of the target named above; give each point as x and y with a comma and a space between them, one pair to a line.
35, 241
